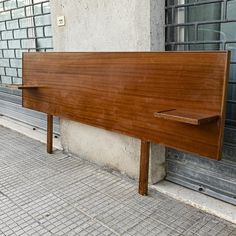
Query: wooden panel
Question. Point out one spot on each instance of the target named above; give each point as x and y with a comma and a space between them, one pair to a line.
49, 134
186, 117
144, 167
122, 91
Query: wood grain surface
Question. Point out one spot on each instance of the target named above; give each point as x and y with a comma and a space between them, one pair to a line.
144, 167
49, 133
121, 92
186, 117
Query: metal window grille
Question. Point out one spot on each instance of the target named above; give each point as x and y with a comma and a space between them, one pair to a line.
25, 26
205, 25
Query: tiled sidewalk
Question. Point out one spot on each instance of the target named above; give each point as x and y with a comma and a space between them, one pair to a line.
57, 194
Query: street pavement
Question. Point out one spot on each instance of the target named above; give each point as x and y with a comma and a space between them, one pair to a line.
59, 194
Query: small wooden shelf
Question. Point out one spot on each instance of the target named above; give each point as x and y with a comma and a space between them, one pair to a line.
186, 117
30, 86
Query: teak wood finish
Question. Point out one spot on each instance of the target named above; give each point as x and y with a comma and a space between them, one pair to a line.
144, 166
186, 117
30, 87
49, 133
173, 98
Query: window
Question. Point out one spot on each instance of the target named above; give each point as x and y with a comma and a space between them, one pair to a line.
205, 25
25, 25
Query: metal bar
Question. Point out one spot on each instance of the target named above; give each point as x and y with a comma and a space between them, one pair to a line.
193, 4
232, 82
201, 23
43, 14
194, 42
201, 42
224, 10
230, 121
231, 101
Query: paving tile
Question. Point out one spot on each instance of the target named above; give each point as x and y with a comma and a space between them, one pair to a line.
24, 194
16, 221
70, 221
44, 206
59, 194
75, 192
151, 227
40, 173
64, 163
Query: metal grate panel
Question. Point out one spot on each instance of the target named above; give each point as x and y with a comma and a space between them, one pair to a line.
205, 25
25, 26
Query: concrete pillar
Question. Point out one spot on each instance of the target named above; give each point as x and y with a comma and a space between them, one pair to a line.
108, 25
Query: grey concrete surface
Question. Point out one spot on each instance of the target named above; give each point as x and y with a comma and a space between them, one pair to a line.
58, 194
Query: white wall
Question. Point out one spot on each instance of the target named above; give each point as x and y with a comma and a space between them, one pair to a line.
109, 25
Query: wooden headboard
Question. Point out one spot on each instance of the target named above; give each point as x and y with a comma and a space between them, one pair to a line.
172, 98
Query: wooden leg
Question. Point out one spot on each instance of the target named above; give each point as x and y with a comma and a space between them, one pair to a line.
144, 166
49, 133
